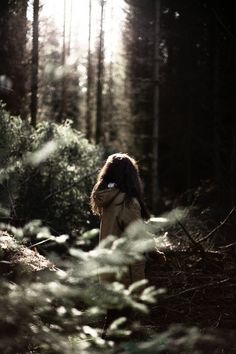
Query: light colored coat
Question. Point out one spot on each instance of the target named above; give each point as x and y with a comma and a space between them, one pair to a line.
117, 214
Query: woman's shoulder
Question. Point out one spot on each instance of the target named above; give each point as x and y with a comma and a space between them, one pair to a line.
132, 203
105, 196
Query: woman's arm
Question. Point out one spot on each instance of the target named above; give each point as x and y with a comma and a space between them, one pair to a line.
130, 212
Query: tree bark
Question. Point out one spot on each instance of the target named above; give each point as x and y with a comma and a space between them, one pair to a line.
35, 64
63, 94
13, 67
110, 106
155, 125
216, 106
89, 79
70, 28
100, 73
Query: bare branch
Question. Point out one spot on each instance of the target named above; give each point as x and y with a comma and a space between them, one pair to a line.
204, 286
212, 232
58, 191
195, 245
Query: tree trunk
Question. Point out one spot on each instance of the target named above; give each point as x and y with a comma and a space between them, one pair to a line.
70, 28
155, 125
13, 68
110, 106
35, 64
100, 73
63, 94
233, 169
216, 107
89, 80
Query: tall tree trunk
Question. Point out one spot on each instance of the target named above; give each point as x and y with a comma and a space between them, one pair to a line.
35, 64
13, 67
155, 125
100, 73
70, 28
233, 169
110, 106
216, 106
63, 93
89, 80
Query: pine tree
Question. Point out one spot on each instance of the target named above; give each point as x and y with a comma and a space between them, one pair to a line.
13, 69
89, 79
100, 77
35, 64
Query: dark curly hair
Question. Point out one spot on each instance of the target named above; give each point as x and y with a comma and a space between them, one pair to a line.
122, 170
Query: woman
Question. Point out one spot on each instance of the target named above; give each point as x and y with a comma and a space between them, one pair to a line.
117, 198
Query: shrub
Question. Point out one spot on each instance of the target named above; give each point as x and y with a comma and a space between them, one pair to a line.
62, 311
47, 173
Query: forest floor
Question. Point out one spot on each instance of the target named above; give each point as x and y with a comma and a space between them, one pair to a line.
200, 290
202, 293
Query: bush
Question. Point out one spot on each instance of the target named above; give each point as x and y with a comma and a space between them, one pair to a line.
47, 173
62, 311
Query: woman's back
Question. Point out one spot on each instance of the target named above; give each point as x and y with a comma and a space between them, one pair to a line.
118, 212
117, 199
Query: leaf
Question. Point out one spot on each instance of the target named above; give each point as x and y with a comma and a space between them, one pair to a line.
90, 234
137, 285
117, 323
61, 239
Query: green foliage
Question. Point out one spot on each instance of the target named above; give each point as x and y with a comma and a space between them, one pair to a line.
14, 137
62, 311
47, 173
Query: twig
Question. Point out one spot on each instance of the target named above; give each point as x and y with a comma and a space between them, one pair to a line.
195, 244
205, 286
219, 20
190, 252
40, 242
58, 191
227, 247
217, 227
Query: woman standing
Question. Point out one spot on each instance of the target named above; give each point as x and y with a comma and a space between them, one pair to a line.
117, 198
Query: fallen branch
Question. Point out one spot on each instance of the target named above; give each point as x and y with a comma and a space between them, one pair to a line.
190, 252
212, 232
200, 287
58, 191
228, 247
41, 242
195, 245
